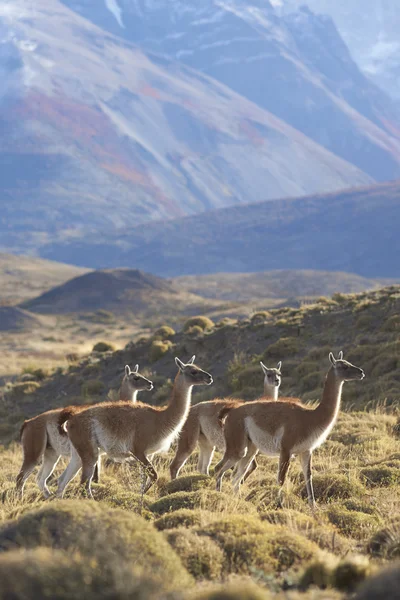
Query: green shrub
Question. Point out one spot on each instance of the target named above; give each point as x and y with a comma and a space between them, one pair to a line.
93, 387
318, 573
201, 556
158, 349
37, 373
194, 331
208, 499
284, 347
103, 347
164, 332
93, 529
350, 572
260, 316
386, 542
247, 376
311, 382
55, 575
26, 387
352, 523
202, 322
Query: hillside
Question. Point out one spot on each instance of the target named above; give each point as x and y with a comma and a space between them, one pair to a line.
23, 277
295, 66
144, 138
185, 540
258, 287
301, 338
119, 291
323, 232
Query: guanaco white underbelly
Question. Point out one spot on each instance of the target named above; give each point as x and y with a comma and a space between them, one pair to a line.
312, 441
266, 443
60, 443
214, 433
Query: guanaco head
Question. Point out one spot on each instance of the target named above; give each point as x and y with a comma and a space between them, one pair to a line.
192, 373
272, 375
135, 381
344, 370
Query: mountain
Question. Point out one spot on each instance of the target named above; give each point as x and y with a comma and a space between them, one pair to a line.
354, 231
295, 66
117, 290
372, 35
97, 133
23, 277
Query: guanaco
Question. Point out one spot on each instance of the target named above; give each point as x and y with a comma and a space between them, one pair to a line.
283, 429
204, 428
126, 431
41, 439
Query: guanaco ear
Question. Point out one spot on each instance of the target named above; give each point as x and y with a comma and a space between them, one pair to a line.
332, 358
179, 364
136, 369
279, 365
340, 355
264, 368
191, 361
127, 370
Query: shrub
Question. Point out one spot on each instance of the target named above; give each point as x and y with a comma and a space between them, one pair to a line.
208, 499
248, 376
251, 544
350, 572
318, 573
97, 532
103, 347
202, 322
201, 556
234, 591
283, 348
311, 382
184, 517
189, 483
26, 387
386, 542
381, 476
332, 487
56, 575
37, 373
93, 387
352, 523
260, 316
164, 332
158, 349
195, 330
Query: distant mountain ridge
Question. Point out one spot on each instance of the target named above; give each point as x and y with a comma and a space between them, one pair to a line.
355, 231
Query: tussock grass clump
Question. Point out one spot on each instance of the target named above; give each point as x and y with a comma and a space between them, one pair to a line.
208, 499
195, 331
103, 347
260, 317
201, 556
98, 532
350, 572
380, 476
25, 387
92, 387
188, 483
319, 572
184, 517
386, 542
37, 373
202, 322
239, 590
352, 523
164, 333
56, 575
249, 544
158, 348
328, 487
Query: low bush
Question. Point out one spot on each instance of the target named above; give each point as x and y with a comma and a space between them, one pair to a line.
380, 476
195, 331
97, 532
184, 517
158, 349
328, 487
350, 572
284, 347
103, 347
164, 333
207, 499
352, 523
202, 322
188, 483
386, 542
201, 556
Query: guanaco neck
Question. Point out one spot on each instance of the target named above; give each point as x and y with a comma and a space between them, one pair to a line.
328, 408
178, 407
126, 393
270, 391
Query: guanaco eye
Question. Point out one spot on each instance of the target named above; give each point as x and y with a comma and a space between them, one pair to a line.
136, 378
194, 372
345, 366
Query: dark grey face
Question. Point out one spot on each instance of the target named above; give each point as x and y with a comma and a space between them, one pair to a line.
273, 378
348, 372
193, 374
138, 382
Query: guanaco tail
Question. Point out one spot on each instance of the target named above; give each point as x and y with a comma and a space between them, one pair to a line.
203, 426
126, 431
283, 429
41, 439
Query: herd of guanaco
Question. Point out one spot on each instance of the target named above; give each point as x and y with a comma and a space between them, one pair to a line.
127, 430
